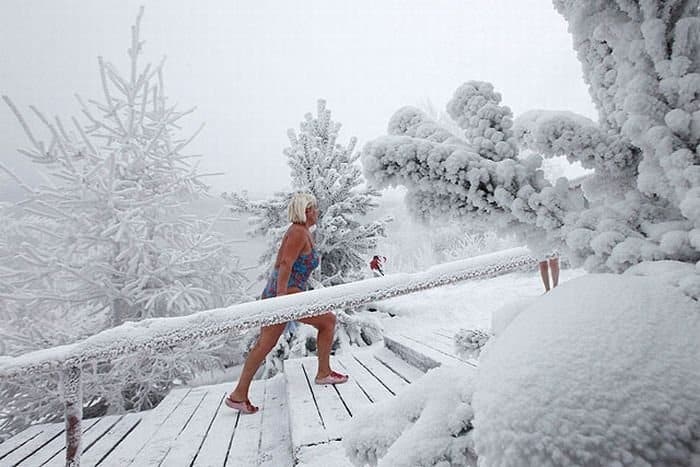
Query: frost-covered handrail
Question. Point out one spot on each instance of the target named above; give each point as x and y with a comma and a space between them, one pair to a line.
159, 333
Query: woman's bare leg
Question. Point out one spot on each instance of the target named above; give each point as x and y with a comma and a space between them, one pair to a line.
326, 329
544, 273
554, 266
269, 335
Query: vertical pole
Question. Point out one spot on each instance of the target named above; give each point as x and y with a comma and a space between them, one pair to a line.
73, 400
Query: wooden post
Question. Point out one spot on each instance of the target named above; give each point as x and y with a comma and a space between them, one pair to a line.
73, 400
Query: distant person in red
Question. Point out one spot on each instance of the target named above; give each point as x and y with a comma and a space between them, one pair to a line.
376, 265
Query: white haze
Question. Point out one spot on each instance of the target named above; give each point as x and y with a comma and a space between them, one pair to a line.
253, 69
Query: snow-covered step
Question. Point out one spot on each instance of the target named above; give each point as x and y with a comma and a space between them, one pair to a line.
190, 427
426, 349
318, 413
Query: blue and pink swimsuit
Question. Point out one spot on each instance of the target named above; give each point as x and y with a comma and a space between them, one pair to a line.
299, 276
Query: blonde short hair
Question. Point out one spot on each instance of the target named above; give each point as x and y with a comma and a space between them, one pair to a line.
298, 205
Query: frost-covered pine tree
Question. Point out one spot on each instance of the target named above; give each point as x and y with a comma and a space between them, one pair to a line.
107, 239
642, 64
328, 169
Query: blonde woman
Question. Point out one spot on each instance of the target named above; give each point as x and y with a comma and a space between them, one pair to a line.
296, 259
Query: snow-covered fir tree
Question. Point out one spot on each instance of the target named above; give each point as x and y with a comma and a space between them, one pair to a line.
329, 170
642, 65
107, 239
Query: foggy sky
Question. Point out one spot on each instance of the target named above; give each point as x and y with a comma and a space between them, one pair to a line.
254, 68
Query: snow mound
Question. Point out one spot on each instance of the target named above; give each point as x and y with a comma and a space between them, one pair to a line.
429, 424
502, 317
604, 370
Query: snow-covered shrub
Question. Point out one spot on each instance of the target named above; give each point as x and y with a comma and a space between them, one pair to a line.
107, 239
585, 375
642, 64
469, 342
429, 424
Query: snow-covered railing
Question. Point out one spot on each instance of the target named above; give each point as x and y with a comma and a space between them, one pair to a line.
162, 333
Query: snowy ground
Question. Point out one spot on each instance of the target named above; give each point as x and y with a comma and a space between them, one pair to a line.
467, 305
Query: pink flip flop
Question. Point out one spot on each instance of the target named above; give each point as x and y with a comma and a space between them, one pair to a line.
333, 378
243, 406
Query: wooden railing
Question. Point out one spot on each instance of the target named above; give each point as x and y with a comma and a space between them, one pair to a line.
162, 333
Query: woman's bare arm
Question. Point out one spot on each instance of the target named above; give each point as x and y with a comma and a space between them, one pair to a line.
289, 252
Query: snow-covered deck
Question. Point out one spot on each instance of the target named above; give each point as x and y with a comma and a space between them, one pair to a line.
300, 423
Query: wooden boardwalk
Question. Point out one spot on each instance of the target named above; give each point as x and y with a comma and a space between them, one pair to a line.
300, 423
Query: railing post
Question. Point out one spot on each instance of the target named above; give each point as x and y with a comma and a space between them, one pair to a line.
73, 400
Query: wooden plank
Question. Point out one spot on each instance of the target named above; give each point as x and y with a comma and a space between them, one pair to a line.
388, 378
48, 434
275, 439
443, 356
215, 447
350, 393
56, 446
434, 343
450, 334
103, 425
416, 353
447, 349
407, 371
20, 439
166, 434
189, 441
107, 443
124, 453
446, 341
364, 380
246, 438
333, 412
306, 424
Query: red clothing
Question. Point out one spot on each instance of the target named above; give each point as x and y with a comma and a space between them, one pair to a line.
376, 263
